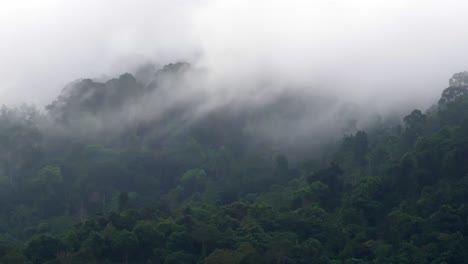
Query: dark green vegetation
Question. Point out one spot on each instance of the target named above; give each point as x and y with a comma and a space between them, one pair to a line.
87, 182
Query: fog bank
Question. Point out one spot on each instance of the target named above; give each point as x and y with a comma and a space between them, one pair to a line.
384, 55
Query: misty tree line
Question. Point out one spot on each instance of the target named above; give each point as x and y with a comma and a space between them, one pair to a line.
76, 187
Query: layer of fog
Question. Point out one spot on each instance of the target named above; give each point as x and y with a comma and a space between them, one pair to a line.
379, 55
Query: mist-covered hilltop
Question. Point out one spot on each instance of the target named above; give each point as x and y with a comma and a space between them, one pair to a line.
180, 100
163, 167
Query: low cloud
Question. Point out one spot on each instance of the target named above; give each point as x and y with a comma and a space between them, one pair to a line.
376, 57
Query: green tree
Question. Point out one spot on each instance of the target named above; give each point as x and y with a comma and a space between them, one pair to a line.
42, 248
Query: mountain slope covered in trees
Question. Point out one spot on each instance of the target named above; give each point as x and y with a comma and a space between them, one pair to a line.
124, 171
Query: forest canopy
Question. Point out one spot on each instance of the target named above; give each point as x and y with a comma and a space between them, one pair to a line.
127, 171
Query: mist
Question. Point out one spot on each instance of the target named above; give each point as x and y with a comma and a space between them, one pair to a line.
233, 131
374, 57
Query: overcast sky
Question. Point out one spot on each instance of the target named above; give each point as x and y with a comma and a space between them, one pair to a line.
379, 52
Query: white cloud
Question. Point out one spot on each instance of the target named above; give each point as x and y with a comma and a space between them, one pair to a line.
378, 52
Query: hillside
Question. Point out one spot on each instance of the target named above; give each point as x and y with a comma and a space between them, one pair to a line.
129, 171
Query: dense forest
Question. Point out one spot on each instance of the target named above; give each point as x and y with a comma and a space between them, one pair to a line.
122, 172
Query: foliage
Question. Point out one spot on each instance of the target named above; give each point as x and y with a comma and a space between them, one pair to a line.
392, 194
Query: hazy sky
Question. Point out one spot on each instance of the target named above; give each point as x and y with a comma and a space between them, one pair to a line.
379, 52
